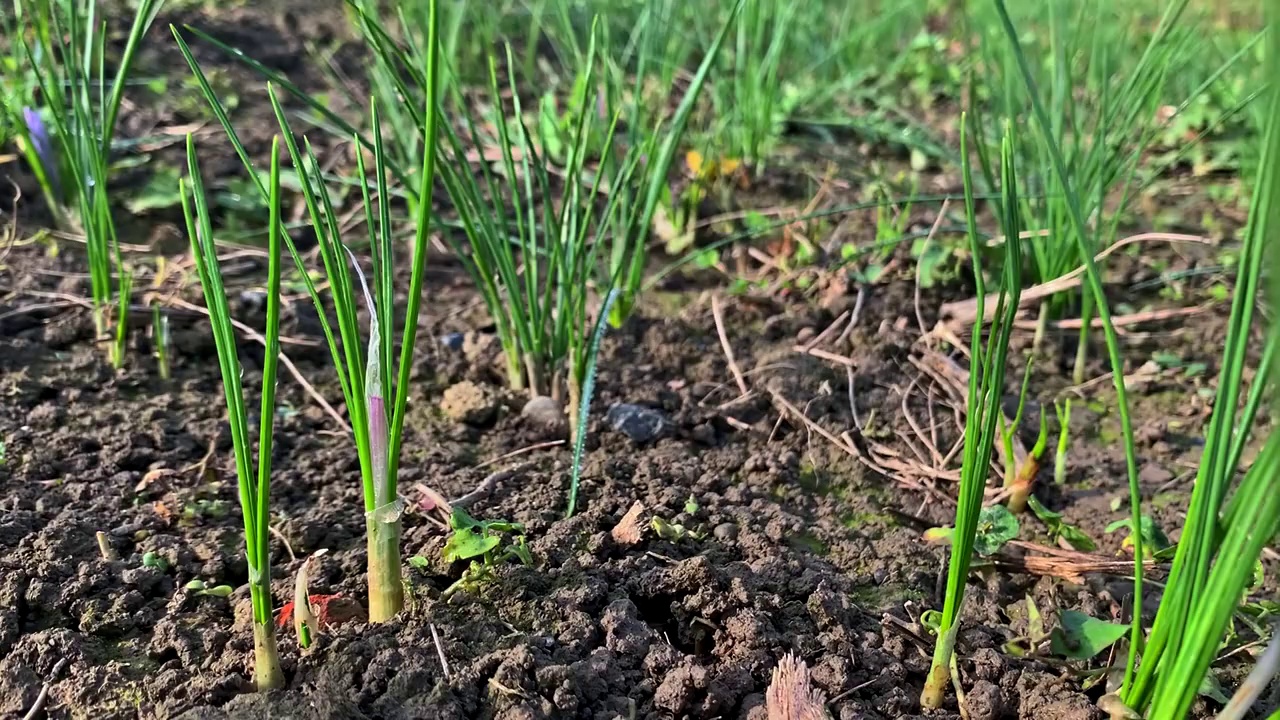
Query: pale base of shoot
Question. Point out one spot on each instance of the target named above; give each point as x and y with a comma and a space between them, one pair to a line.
266, 658
935, 687
386, 586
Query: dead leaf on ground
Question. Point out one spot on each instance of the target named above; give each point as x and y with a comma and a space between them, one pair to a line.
791, 696
629, 529
152, 476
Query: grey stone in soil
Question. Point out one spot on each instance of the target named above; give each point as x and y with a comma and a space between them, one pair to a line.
452, 341
727, 532
546, 415
641, 424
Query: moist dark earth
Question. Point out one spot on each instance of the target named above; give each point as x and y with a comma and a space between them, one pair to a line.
789, 542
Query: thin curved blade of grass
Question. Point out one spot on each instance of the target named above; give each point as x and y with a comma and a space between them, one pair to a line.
584, 403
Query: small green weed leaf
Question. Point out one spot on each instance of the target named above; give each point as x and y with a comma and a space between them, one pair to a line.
466, 543
1080, 637
1212, 689
668, 530
500, 526
460, 520
196, 584
519, 549
419, 562
870, 274
939, 535
1035, 622
932, 259
1058, 528
152, 560
221, 591
159, 193
691, 505
706, 259
1154, 540
931, 620
996, 526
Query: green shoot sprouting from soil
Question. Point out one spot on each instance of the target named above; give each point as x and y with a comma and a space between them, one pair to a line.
367, 381
750, 110
986, 391
254, 487
1097, 300
534, 264
64, 45
1063, 411
160, 340
1224, 533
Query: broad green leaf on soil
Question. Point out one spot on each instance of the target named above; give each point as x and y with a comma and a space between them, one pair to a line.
996, 526
466, 543
1080, 637
1058, 528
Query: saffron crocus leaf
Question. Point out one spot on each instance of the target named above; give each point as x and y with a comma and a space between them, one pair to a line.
378, 437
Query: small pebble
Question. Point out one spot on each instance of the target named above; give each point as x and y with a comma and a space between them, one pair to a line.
641, 424
727, 532
546, 415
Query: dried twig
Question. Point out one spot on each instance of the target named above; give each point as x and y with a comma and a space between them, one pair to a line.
284, 359
942, 213
520, 451
958, 316
444, 662
718, 314
486, 486
38, 706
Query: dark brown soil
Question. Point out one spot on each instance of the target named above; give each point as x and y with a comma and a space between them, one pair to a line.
793, 546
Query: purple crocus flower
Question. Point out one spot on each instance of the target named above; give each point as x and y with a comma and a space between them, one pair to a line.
43, 145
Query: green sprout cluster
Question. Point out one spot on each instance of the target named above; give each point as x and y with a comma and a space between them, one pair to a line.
554, 221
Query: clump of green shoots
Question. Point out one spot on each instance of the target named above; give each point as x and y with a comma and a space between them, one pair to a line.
1100, 109
376, 402
749, 105
1224, 532
254, 486
66, 134
986, 388
1079, 228
603, 163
